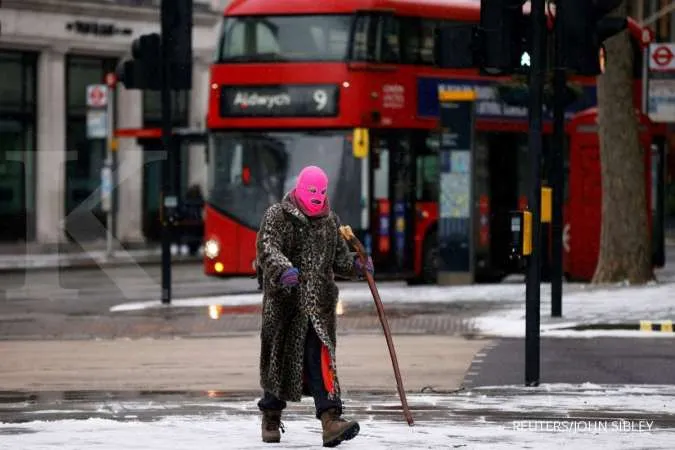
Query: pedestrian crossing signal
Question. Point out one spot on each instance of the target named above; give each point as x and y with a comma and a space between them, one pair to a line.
525, 60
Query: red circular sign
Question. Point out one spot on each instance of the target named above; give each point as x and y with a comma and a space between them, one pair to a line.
662, 56
97, 95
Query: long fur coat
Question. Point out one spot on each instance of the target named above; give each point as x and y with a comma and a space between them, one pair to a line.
287, 238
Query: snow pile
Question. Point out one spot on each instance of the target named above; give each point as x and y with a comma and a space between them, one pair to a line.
614, 305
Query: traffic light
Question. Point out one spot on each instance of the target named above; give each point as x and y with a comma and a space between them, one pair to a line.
585, 28
142, 71
497, 46
176, 17
502, 36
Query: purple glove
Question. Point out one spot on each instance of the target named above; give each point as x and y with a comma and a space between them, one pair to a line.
359, 265
290, 277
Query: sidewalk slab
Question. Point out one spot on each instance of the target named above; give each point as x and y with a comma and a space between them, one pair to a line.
227, 364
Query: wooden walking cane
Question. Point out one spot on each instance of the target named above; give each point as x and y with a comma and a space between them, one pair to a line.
348, 235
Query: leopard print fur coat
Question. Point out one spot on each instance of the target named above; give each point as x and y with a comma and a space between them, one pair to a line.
287, 238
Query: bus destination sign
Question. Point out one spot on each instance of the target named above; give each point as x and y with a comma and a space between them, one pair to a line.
279, 101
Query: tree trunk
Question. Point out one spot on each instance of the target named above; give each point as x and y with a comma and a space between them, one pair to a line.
625, 244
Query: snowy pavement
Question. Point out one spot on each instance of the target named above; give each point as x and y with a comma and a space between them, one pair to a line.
617, 305
359, 294
582, 305
553, 416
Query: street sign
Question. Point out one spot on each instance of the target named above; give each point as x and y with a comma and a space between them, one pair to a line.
662, 57
97, 124
660, 101
97, 96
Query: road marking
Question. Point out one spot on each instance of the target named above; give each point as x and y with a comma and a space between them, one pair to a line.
663, 326
667, 326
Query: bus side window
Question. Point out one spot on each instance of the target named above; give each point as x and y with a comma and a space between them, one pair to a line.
427, 41
417, 40
410, 40
363, 43
388, 32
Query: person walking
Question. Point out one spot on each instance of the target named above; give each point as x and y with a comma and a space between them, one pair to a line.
299, 251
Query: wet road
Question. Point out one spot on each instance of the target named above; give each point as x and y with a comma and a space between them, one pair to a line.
598, 360
94, 291
75, 304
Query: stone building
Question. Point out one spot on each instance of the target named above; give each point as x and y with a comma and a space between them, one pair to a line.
659, 16
50, 50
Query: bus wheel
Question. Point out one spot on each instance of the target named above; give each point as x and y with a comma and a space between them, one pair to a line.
430, 259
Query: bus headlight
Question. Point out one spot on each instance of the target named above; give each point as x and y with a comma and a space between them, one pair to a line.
211, 249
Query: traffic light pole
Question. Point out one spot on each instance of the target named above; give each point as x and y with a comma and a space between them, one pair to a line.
168, 196
532, 293
558, 163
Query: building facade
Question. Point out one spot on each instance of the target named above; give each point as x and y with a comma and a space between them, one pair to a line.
49, 170
659, 16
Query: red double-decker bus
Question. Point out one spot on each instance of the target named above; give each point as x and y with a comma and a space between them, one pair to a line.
301, 82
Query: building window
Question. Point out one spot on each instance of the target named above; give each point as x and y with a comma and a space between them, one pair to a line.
85, 156
152, 167
17, 145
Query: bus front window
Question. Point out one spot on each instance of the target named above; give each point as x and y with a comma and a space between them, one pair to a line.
285, 38
248, 172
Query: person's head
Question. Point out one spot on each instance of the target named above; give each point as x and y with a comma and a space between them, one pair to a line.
310, 190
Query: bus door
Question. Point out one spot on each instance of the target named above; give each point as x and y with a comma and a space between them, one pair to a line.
392, 201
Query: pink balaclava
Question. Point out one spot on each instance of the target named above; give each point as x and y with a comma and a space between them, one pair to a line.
310, 190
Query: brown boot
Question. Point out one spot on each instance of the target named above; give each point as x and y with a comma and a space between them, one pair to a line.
271, 424
337, 429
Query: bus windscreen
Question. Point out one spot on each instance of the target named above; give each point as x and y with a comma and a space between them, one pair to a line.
251, 171
285, 38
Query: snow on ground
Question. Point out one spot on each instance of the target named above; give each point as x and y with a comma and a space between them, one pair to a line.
582, 304
178, 433
357, 294
557, 416
614, 305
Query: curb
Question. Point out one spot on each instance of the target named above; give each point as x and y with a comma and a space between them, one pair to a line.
646, 326
664, 326
89, 263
